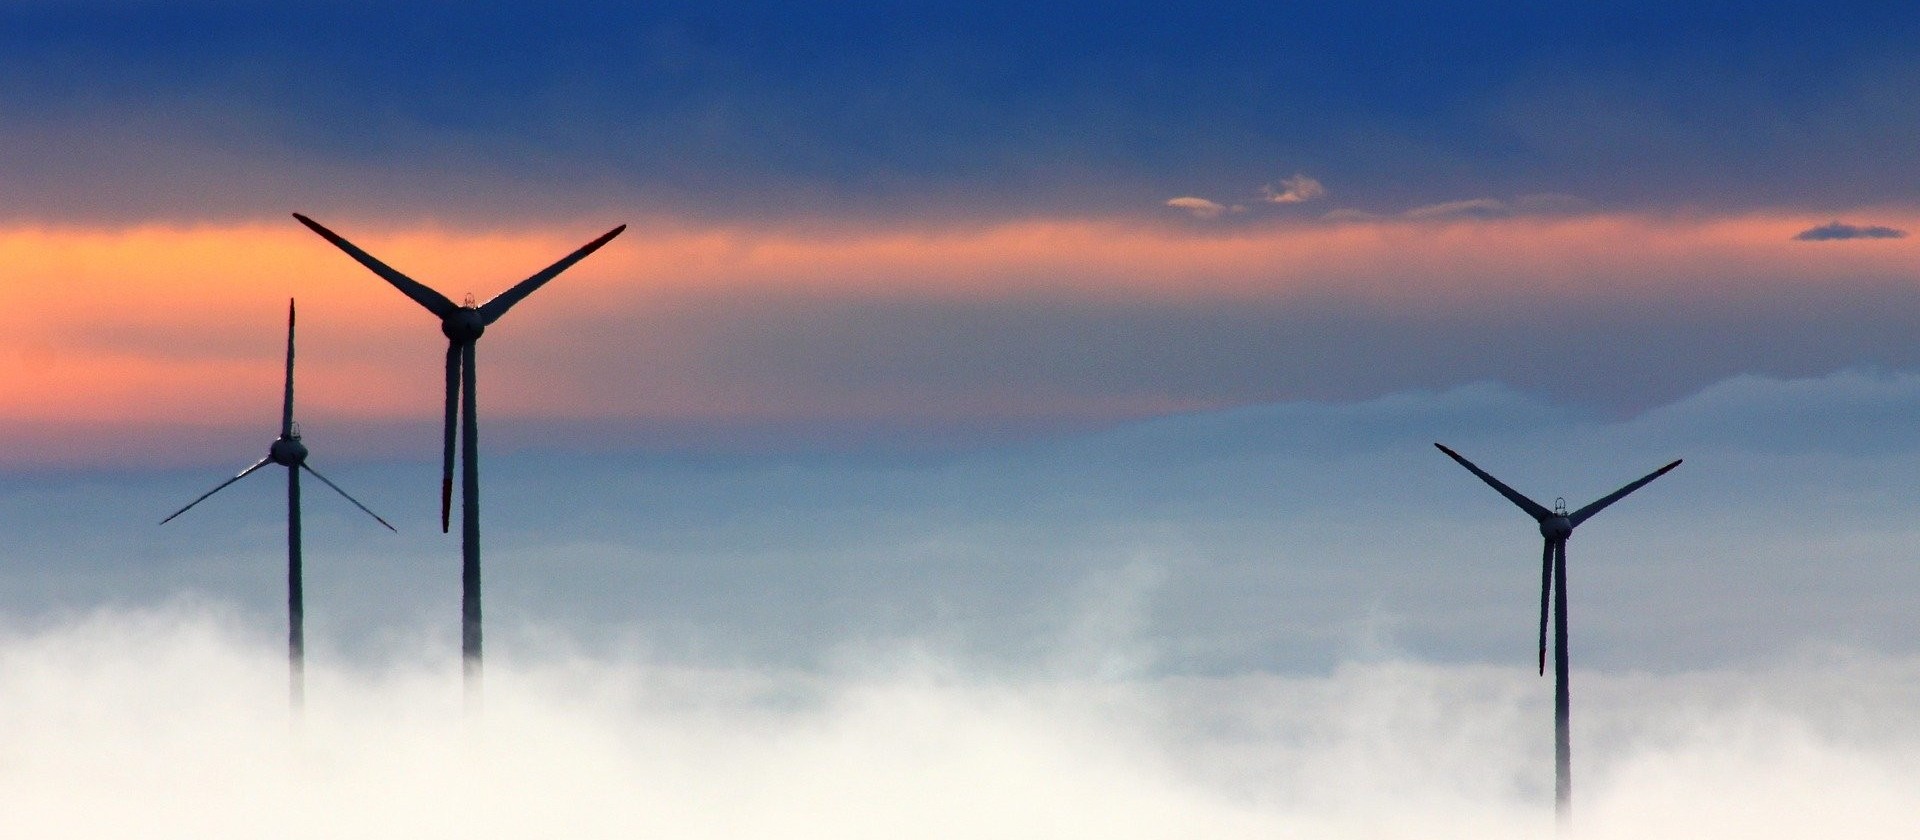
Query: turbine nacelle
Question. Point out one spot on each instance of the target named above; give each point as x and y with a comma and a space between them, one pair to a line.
288, 452
463, 325
1556, 527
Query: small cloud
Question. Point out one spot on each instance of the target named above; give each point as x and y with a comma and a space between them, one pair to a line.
1294, 190
1839, 230
1199, 207
1472, 208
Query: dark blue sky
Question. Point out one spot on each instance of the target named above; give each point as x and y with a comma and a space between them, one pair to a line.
878, 110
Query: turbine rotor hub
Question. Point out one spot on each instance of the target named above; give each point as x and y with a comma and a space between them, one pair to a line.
463, 325
1556, 527
287, 452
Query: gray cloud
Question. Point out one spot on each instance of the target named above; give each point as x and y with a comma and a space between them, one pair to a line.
1837, 230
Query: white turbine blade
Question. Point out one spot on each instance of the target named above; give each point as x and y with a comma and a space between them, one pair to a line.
435, 302
1587, 512
343, 495
493, 309
1533, 508
222, 486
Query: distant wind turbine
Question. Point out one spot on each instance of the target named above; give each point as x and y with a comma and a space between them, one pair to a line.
1556, 526
289, 452
462, 325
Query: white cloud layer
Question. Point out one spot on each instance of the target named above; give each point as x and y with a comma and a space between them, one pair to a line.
1288, 620
167, 723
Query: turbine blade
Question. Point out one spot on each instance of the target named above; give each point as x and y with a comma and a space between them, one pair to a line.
1587, 512
286, 411
493, 309
1546, 585
1533, 508
343, 494
453, 421
222, 486
436, 303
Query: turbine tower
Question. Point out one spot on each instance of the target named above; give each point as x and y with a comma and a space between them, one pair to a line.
289, 452
1556, 526
462, 325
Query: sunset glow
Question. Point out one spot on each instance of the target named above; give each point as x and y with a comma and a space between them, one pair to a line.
160, 325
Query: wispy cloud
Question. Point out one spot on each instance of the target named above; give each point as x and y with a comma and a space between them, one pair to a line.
1294, 190
1200, 208
1472, 208
1298, 189
1836, 230
1532, 205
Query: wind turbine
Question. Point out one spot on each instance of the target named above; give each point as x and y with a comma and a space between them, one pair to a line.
462, 325
1556, 526
289, 452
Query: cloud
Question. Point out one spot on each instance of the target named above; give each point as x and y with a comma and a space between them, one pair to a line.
1200, 208
1472, 208
1837, 230
1533, 205
181, 716
845, 332
1294, 190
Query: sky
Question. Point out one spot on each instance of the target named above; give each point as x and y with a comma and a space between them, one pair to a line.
1035, 401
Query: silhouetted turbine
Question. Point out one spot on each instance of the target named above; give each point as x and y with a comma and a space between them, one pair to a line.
462, 325
289, 452
1556, 526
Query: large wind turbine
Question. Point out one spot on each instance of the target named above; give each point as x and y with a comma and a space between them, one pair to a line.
289, 452
462, 326
1556, 526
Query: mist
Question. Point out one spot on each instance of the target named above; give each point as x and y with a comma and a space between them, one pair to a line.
172, 722
1287, 620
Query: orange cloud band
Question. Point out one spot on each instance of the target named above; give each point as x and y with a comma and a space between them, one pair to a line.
182, 326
